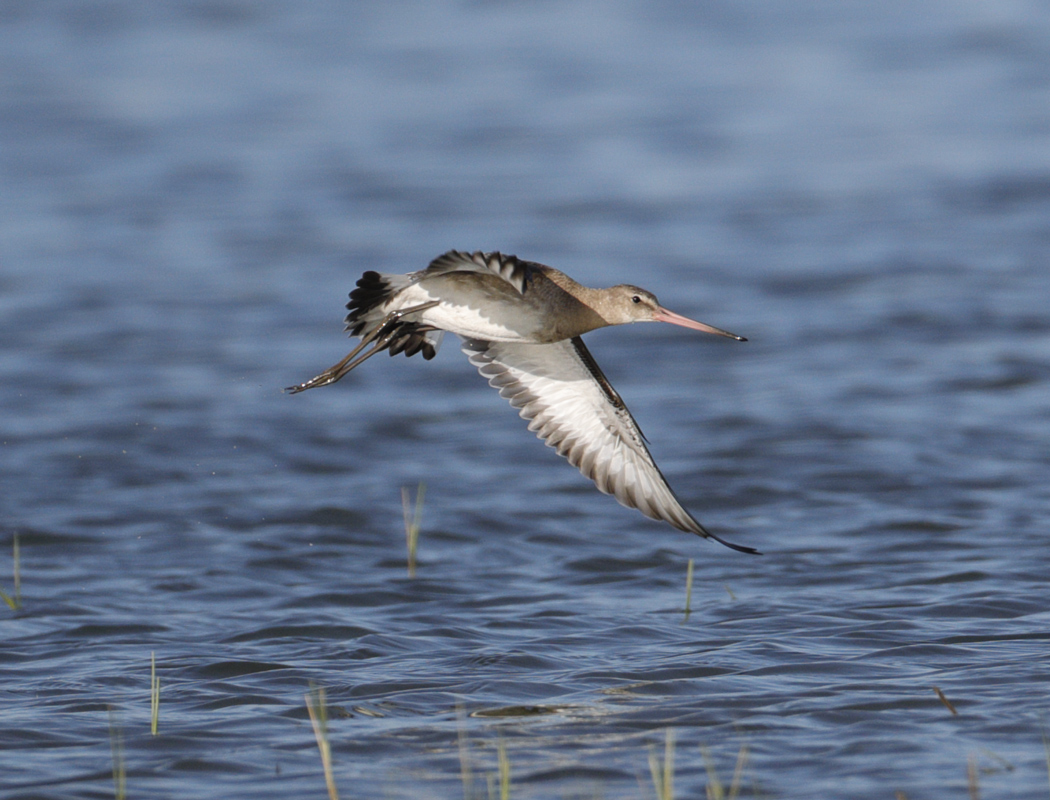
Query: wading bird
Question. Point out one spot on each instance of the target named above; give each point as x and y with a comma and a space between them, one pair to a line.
520, 324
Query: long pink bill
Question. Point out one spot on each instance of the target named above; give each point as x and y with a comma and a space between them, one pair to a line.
663, 315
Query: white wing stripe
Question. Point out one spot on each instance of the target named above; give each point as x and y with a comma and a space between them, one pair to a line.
554, 388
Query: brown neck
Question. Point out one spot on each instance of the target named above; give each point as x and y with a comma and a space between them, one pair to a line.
570, 307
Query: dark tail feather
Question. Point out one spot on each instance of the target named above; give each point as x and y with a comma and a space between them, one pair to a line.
372, 290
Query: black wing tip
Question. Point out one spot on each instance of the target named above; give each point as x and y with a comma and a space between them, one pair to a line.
453, 257
482, 258
738, 547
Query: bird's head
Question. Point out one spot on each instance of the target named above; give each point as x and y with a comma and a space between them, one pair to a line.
626, 303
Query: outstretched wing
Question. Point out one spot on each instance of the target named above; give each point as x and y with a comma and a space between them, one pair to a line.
572, 406
513, 270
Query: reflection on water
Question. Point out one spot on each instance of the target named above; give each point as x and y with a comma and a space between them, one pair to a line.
192, 190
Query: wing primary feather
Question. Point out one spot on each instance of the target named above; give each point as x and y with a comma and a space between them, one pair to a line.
596, 372
570, 404
515, 271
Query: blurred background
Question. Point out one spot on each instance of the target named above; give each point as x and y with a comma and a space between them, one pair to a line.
190, 189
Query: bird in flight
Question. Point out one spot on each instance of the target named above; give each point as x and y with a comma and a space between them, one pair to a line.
521, 324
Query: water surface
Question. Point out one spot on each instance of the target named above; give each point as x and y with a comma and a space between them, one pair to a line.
191, 189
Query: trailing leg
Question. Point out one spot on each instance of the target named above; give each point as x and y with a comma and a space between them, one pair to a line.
383, 334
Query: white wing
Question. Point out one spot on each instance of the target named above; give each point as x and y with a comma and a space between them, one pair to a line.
572, 406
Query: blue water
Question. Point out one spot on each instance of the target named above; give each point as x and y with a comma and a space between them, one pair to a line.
189, 190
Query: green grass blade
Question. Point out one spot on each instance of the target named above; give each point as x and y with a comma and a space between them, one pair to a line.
663, 773
18, 572
116, 745
466, 774
15, 602
318, 711
504, 770
154, 694
413, 523
1046, 748
715, 790
738, 772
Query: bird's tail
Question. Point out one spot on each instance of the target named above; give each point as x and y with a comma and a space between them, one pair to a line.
368, 308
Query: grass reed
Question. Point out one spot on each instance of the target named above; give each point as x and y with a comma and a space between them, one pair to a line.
14, 602
1046, 749
413, 520
663, 772
466, 774
497, 784
318, 711
503, 762
715, 789
154, 694
971, 778
946, 701
116, 746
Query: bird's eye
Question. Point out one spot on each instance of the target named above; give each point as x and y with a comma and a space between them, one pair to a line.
636, 299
